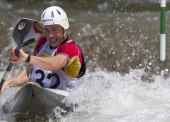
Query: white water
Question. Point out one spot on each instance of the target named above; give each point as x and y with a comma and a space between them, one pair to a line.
110, 97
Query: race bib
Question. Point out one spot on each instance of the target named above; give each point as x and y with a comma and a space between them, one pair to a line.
46, 79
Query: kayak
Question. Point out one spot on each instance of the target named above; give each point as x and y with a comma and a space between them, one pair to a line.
33, 100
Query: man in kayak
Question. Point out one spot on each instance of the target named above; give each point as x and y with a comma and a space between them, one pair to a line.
57, 62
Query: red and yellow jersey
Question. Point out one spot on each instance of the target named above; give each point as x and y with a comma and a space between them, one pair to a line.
66, 78
68, 48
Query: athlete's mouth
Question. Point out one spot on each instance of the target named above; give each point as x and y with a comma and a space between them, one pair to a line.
53, 40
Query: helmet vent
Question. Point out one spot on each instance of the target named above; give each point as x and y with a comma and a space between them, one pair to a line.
52, 14
58, 12
43, 15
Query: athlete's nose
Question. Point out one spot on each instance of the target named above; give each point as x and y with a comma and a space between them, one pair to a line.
51, 35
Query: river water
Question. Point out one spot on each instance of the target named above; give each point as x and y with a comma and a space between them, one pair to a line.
125, 81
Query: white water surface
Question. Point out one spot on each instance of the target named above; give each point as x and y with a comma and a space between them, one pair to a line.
110, 97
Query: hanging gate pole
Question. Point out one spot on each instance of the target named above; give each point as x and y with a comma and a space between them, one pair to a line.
162, 31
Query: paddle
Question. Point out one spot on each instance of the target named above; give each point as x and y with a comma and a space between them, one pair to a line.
25, 32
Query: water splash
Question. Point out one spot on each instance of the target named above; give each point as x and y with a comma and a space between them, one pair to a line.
111, 97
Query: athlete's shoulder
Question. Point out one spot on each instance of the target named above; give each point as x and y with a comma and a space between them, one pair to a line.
68, 45
39, 45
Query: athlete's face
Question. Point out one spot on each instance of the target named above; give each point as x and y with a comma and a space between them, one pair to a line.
54, 34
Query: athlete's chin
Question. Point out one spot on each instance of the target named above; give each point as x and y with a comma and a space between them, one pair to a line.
56, 44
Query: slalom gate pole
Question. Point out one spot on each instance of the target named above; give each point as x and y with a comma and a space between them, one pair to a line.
162, 30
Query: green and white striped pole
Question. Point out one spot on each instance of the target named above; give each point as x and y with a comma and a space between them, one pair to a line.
162, 31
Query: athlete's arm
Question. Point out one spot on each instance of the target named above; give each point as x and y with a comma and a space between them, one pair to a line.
48, 63
18, 80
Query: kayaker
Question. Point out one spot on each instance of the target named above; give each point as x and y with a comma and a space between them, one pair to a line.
57, 61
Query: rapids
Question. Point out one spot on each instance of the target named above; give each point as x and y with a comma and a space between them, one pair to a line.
125, 81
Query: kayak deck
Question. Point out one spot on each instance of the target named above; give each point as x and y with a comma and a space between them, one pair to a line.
32, 100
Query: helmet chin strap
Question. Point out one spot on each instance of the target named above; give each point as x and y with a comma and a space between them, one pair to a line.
64, 35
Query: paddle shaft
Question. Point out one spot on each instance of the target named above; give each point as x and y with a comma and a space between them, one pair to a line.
8, 69
25, 33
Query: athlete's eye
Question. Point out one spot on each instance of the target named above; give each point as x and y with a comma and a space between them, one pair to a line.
55, 29
46, 30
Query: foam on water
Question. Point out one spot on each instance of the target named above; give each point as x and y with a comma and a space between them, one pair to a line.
112, 97
116, 40
109, 96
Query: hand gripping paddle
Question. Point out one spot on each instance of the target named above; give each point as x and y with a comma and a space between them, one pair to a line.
25, 32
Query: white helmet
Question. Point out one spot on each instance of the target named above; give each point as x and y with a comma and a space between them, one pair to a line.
55, 15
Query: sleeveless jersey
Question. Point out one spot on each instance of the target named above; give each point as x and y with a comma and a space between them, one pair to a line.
66, 78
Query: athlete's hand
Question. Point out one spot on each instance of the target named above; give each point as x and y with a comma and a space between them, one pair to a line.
17, 59
4, 87
1, 93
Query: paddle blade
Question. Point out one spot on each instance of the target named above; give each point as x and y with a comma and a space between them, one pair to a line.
27, 31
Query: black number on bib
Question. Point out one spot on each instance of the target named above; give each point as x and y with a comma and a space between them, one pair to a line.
42, 77
57, 83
